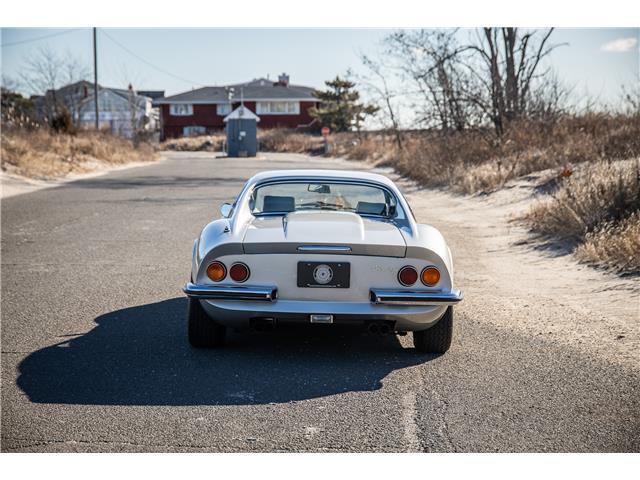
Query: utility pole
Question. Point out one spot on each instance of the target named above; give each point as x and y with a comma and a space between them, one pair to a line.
95, 76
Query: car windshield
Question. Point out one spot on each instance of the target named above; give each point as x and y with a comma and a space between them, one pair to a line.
282, 198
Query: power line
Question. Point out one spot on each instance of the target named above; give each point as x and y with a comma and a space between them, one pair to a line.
162, 70
35, 39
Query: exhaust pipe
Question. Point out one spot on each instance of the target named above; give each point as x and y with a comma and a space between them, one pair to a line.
379, 328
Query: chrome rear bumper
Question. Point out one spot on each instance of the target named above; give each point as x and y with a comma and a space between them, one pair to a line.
270, 294
223, 292
404, 297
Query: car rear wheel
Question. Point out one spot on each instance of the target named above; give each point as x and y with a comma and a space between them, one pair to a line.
436, 339
204, 332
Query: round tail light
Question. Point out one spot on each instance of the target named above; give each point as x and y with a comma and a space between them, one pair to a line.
216, 271
407, 276
430, 276
239, 272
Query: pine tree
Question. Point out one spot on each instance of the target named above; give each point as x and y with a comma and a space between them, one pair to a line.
339, 108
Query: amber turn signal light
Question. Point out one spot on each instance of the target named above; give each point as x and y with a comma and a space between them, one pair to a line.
216, 271
430, 276
239, 272
407, 276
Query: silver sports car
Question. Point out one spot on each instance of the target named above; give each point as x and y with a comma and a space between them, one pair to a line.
321, 246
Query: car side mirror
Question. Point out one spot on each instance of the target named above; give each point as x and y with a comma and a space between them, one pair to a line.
226, 209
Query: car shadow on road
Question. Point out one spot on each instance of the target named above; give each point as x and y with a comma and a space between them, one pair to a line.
140, 356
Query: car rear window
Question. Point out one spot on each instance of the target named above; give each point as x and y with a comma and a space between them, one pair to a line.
282, 198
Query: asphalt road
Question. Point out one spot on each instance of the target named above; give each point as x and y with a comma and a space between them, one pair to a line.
95, 355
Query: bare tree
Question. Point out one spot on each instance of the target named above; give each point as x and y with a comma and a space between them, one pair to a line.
377, 84
74, 71
138, 121
549, 99
433, 60
494, 78
135, 103
42, 71
511, 62
45, 72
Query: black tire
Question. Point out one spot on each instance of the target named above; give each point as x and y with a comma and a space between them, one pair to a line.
204, 332
436, 339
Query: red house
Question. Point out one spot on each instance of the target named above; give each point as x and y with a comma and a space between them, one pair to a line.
201, 111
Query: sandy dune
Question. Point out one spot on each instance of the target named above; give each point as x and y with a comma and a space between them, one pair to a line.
529, 287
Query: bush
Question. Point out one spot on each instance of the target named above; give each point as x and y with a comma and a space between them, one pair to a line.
62, 122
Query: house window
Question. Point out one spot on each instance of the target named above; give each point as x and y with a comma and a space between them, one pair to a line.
278, 108
194, 130
181, 109
223, 109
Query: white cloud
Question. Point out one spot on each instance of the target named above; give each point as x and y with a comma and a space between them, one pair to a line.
620, 45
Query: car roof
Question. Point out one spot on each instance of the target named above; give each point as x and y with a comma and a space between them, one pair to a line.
320, 174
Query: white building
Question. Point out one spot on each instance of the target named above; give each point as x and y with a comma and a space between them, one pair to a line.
121, 112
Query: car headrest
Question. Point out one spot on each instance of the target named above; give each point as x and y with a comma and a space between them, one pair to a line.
371, 208
274, 203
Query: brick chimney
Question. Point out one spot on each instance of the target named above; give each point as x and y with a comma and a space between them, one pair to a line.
283, 80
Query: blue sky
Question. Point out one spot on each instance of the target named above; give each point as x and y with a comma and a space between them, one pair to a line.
593, 63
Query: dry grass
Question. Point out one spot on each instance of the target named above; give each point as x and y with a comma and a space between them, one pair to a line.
44, 155
281, 140
595, 194
597, 210
201, 143
476, 161
276, 140
614, 245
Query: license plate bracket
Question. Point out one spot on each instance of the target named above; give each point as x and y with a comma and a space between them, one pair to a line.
324, 274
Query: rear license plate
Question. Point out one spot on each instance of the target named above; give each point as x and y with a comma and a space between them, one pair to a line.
323, 274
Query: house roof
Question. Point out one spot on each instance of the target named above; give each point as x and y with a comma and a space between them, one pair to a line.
258, 89
120, 95
78, 89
